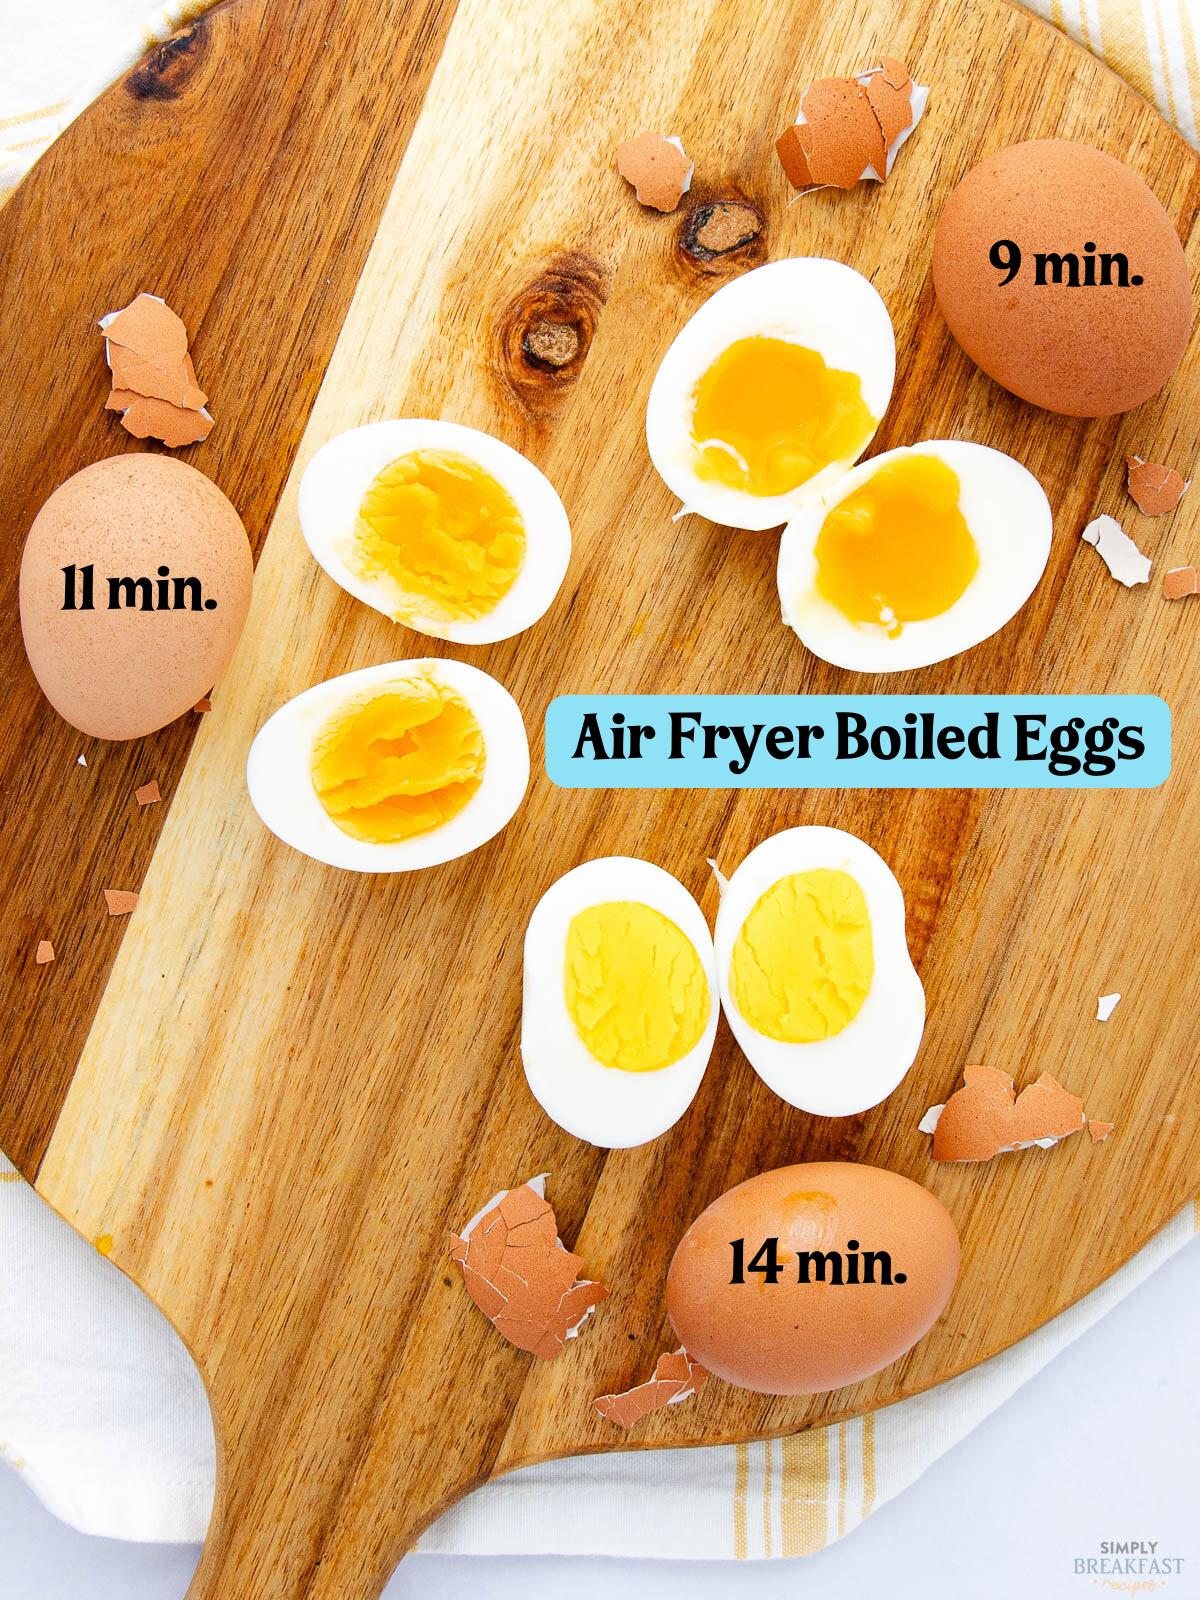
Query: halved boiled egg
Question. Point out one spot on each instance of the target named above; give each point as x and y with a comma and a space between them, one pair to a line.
393, 767
771, 390
620, 1004
914, 556
816, 980
440, 527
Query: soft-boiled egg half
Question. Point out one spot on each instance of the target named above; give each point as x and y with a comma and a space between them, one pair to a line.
914, 556
815, 975
771, 390
440, 527
620, 1001
390, 768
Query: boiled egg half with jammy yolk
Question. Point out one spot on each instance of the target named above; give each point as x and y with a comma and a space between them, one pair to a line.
620, 1001
440, 527
816, 979
771, 390
914, 556
393, 767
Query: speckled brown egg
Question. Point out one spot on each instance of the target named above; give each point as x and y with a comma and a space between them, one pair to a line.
1085, 350
821, 1324
169, 586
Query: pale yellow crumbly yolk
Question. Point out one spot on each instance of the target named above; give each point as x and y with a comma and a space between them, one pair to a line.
634, 985
448, 538
399, 762
770, 415
803, 960
898, 549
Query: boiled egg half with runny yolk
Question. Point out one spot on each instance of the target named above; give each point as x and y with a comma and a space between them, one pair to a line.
914, 556
816, 980
773, 389
620, 1001
394, 767
440, 527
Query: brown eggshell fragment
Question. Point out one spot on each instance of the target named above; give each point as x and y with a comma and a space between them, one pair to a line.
840, 135
1100, 1131
44, 953
121, 673
987, 1116
519, 1274
657, 168
1181, 582
148, 794
794, 159
176, 383
794, 1337
1154, 488
147, 418
676, 1378
889, 93
120, 902
1085, 351
149, 326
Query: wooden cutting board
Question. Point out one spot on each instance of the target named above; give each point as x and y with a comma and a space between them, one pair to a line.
271, 1090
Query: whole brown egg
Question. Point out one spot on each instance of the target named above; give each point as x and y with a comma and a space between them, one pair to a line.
811, 1277
135, 584
1060, 274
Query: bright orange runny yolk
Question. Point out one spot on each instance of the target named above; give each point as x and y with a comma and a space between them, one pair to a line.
400, 761
898, 549
444, 533
769, 415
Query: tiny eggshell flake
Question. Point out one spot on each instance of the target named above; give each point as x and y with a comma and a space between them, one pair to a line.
520, 1275
120, 902
148, 794
658, 168
1180, 582
44, 953
1117, 550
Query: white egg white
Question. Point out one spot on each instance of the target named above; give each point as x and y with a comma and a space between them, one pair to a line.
807, 300
861, 1065
279, 771
339, 475
1009, 517
606, 1106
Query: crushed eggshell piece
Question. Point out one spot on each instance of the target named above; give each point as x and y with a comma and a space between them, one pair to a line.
676, 1377
658, 168
154, 387
202, 705
1154, 488
987, 1116
120, 902
148, 794
44, 952
1105, 1006
520, 1274
1117, 550
851, 129
81, 761
1180, 582
1100, 1131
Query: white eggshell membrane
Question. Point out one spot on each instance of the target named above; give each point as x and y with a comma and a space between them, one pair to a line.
807, 300
605, 1106
279, 771
341, 472
1009, 518
861, 1065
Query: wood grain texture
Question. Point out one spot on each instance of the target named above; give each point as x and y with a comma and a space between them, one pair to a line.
296, 1081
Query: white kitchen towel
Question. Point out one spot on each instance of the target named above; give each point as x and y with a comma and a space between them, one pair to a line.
100, 1406
103, 1412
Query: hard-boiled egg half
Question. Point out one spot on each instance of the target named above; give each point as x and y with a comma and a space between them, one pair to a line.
815, 975
773, 389
393, 767
620, 1001
440, 527
914, 556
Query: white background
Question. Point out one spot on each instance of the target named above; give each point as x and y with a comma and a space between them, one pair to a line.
1104, 1444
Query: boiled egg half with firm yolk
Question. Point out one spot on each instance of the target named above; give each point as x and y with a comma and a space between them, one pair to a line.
620, 1001
914, 556
816, 980
440, 527
394, 767
772, 390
